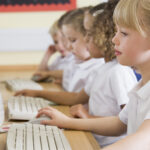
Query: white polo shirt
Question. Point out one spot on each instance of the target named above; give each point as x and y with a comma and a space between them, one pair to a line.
76, 75
61, 63
107, 89
1, 110
138, 108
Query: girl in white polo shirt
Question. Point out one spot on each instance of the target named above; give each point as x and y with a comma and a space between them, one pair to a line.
59, 63
132, 48
107, 87
76, 75
62, 60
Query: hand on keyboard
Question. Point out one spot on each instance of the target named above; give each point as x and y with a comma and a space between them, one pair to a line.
57, 117
39, 120
31, 93
79, 111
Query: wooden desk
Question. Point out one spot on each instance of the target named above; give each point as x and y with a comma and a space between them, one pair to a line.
78, 140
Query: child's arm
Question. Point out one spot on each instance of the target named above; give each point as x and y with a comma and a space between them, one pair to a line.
58, 74
80, 111
64, 98
107, 126
46, 74
44, 63
137, 141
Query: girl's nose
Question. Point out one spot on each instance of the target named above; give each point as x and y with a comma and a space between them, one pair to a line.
69, 47
86, 38
115, 40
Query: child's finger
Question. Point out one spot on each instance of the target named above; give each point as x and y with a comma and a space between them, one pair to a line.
46, 122
45, 108
44, 112
19, 93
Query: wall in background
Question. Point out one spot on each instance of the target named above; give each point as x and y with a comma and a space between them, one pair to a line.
36, 19
25, 32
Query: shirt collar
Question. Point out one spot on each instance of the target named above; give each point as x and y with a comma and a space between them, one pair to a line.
141, 91
90, 62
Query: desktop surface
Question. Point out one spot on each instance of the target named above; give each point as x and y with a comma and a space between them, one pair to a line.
78, 140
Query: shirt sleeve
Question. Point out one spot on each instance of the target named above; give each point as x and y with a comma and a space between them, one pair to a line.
122, 81
89, 83
54, 65
123, 115
147, 114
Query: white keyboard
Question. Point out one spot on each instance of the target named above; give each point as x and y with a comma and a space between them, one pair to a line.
25, 108
36, 137
21, 84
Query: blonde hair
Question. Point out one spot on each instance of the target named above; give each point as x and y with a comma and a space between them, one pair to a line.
133, 14
54, 29
75, 19
61, 19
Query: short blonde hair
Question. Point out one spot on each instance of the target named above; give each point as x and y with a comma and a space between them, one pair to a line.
133, 14
54, 29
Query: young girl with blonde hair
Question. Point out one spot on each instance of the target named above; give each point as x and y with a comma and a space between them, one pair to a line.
61, 61
76, 75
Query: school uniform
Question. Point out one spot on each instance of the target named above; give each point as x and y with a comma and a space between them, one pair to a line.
76, 75
107, 88
138, 108
1, 111
61, 63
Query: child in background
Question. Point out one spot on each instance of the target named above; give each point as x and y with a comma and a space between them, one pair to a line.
76, 75
132, 48
58, 46
106, 88
61, 62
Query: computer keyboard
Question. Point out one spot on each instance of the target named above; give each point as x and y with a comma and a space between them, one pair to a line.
25, 108
21, 84
36, 137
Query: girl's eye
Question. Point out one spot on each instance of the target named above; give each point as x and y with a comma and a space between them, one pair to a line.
124, 33
72, 40
56, 42
88, 33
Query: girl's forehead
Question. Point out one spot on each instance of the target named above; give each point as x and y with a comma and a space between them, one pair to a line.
68, 27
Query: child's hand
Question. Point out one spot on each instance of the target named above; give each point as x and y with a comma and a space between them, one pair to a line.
58, 81
32, 93
56, 117
51, 50
79, 111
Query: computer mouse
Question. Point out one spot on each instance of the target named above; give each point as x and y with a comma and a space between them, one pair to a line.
38, 120
36, 78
